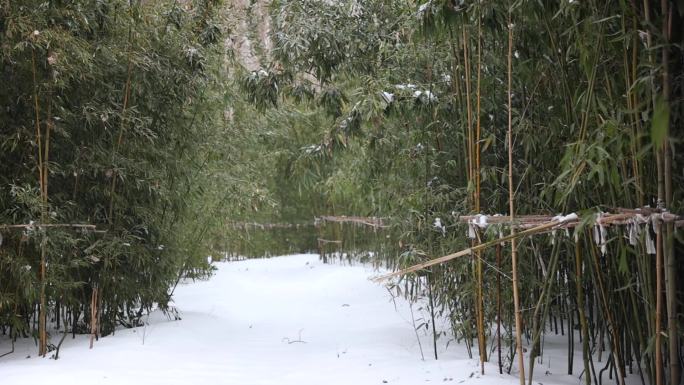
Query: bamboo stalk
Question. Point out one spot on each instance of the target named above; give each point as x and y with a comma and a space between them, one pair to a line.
469, 112
93, 316
42, 316
46, 157
431, 302
478, 127
540, 319
668, 241
511, 205
39, 139
498, 306
126, 96
659, 307
482, 342
583, 319
610, 318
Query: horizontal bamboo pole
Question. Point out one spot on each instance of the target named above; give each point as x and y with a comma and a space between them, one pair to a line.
536, 228
45, 225
367, 221
264, 226
323, 241
605, 219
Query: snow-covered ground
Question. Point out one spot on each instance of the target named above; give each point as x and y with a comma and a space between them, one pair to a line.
284, 321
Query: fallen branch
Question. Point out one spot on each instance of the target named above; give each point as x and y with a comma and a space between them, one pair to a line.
10, 352
290, 342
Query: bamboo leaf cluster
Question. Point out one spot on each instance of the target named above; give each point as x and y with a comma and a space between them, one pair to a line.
111, 117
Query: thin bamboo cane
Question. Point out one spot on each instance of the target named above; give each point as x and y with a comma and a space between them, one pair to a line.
659, 307
46, 157
42, 316
498, 306
668, 241
126, 97
539, 320
609, 318
580, 307
469, 112
511, 204
658, 364
93, 316
39, 139
482, 342
457, 89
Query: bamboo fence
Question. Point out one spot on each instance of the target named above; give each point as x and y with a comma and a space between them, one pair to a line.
539, 224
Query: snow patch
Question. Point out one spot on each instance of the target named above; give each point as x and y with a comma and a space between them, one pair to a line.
565, 218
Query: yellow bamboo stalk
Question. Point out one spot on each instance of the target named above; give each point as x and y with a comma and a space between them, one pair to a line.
39, 138
668, 242
511, 207
482, 343
42, 313
93, 316
469, 120
659, 306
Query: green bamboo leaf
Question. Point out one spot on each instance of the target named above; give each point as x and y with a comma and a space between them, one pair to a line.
660, 122
623, 266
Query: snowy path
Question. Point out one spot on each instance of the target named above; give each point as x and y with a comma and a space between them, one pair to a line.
236, 327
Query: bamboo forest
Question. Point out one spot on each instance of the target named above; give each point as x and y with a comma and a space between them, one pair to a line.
304, 192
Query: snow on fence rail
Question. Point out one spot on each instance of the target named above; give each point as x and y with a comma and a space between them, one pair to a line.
266, 226
366, 221
622, 217
322, 241
45, 225
374, 222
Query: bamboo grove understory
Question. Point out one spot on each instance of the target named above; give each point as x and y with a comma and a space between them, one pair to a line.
445, 110
517, 165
